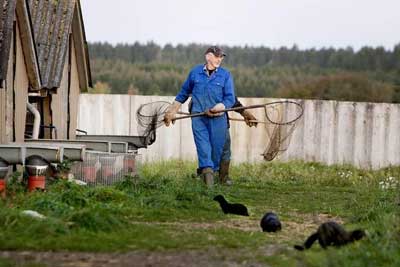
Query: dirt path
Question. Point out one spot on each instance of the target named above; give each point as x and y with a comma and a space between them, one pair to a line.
139, 259
305, 224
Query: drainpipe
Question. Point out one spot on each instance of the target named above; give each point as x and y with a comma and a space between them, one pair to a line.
36, 122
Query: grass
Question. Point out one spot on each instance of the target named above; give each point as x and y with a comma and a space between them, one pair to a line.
167, 210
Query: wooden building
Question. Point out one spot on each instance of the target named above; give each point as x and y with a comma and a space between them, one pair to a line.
44, 61
44, 65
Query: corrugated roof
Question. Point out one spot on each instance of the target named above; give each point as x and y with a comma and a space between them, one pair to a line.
51, 20
7, 12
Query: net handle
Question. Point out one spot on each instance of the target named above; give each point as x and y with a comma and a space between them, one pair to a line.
256, 121
232, 119
251, 107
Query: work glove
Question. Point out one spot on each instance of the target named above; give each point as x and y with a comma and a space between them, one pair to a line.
249, 118
216, 110
171, 112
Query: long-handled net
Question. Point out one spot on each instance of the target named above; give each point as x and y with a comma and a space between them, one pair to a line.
280, 121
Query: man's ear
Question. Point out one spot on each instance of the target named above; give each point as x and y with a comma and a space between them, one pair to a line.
207, 56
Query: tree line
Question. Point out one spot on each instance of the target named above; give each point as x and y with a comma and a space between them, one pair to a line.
369, 74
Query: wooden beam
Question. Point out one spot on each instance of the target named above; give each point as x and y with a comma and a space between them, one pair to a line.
28, 45
80, 49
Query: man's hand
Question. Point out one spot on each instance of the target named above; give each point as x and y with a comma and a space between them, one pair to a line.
168, 118
171, 112
216, 110
249, 118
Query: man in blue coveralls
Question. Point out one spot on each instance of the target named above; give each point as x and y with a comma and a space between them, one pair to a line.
212, 91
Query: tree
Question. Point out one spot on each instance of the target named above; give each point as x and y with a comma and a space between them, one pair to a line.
100, 88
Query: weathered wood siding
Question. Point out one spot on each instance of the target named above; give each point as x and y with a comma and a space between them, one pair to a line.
3, 107
21, 85
74, 93
59, 105
9, 133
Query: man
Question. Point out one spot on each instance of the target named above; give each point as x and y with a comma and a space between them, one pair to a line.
212, 91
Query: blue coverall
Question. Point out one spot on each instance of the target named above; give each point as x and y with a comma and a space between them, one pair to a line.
226, 152
209, 132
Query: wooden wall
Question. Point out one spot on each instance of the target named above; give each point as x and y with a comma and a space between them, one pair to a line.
73, 93
6, 102
59, 104
21, 85
3, 108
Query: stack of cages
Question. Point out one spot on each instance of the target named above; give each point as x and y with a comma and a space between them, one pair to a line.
99, 168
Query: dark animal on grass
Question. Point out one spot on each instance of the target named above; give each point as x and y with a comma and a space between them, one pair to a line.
238, 209
331, 234
270, 222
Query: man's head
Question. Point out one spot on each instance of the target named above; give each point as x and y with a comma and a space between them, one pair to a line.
214, 56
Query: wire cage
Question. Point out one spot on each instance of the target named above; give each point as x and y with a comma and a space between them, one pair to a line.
99, 168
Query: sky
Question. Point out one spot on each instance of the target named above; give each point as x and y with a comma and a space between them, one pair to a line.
269, 23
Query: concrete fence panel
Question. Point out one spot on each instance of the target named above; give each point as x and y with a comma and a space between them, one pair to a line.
362, 134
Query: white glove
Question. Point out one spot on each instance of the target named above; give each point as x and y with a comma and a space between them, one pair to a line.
249, 118
216, 110
171, 112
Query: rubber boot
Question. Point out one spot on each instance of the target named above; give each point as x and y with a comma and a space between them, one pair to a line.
197, 175
208, 176
224, 173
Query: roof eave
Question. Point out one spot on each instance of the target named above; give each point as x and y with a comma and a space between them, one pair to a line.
28, 47
81, 49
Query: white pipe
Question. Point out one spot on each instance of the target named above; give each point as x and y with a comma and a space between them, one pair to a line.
36, 122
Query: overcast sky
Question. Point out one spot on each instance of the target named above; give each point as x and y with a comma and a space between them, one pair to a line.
271, 23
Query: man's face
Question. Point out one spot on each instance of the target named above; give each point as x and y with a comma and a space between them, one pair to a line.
213, 61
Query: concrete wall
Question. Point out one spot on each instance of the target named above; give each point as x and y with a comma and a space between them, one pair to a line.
363, 134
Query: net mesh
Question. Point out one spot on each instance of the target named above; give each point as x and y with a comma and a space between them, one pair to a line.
281, 123
150, 116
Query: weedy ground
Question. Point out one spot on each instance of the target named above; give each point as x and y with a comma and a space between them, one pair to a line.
168, 213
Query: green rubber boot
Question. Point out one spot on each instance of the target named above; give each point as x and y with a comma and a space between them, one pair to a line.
224, 173
207, 175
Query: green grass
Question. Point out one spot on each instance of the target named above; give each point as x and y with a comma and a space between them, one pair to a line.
167, 209
10, 263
